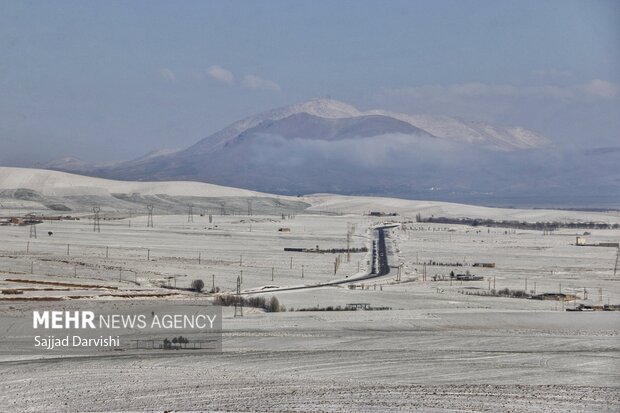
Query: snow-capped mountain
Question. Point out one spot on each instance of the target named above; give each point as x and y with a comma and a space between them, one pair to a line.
506, 138
328, 146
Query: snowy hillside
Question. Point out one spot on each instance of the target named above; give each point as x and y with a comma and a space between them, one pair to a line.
64, 184
37, 189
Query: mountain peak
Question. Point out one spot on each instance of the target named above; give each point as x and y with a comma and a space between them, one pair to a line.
325, 108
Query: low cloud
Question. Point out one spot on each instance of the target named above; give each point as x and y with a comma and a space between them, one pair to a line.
167, 74
416, 163
258, 83
552, 73
600, 89
221, 75
391, 151
596, 88
250, 82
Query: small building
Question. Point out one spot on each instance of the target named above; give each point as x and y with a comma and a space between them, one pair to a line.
580, 241
284, 229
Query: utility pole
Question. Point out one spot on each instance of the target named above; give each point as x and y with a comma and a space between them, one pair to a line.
96, 219
238, 302
349, 227
615, 266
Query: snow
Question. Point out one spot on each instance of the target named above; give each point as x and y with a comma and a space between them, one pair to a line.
61, 184
472, 132
409, 208
437, 350
325, 108
445, 127
55, 183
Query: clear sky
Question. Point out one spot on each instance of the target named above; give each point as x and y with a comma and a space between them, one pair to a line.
110, 80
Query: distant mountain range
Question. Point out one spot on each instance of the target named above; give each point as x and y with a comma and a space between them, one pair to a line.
329, 146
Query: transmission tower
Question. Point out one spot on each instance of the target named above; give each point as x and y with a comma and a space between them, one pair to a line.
238, 302
149, 220
349, 231
615, 266
249, 207
96, 219
190, 213
33, 231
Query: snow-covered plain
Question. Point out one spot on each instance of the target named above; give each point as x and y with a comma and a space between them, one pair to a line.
438, 349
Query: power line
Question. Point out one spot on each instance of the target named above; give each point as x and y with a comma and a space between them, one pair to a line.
190, 213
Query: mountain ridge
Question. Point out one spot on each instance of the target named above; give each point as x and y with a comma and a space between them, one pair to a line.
329, 146
446, 127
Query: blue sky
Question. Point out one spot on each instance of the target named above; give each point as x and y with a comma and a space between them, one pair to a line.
109, 80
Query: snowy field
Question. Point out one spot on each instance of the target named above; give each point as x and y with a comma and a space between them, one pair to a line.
442, 346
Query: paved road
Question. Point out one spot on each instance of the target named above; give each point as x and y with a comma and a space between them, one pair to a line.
379, 267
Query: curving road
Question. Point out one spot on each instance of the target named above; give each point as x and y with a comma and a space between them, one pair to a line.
379, 267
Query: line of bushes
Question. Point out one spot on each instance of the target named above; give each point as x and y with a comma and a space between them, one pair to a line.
271, 305
541, 226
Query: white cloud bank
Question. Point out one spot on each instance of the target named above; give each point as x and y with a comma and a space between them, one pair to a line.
251, 82
596, 88
221, 75
258, 83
